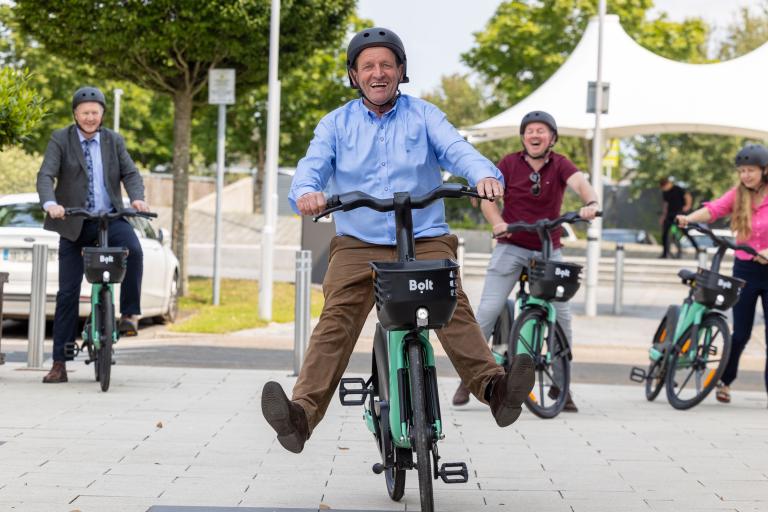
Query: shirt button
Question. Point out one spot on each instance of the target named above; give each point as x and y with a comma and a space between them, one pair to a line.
383, 164
381, 139
386, 188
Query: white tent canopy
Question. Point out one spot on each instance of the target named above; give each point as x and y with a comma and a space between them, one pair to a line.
648, 93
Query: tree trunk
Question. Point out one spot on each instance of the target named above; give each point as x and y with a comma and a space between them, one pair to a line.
182, 133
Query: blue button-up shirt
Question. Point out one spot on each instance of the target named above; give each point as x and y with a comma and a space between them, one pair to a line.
402, 151
102, 201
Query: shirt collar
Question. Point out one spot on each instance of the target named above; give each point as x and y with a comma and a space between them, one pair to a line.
96, 137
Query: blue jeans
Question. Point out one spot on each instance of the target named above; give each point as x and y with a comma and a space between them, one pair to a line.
65, 320
756, 276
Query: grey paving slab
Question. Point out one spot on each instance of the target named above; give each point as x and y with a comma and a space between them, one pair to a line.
168, 439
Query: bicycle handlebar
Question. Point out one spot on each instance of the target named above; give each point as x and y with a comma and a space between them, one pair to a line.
357, 199
720, 241
125, 212
546, 224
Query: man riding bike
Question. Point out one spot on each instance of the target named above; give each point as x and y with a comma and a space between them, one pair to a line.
383, 143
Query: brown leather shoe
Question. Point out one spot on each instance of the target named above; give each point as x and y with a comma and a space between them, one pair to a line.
57, 374
287, 418
461, 396
569, 405
509, 392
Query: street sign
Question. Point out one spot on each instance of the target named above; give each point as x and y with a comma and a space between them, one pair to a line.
221, 86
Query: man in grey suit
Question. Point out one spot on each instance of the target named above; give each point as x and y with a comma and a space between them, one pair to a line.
84, 166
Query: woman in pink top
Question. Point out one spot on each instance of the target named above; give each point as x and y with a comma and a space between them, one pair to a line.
748, 206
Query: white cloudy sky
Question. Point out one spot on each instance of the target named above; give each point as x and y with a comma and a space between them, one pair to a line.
436, 32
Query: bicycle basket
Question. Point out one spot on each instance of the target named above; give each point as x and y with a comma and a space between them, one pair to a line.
553, 280
401, 288
105, 265
716, 290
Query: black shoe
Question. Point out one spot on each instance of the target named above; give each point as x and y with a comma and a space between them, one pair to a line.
287, 418
569, 406
509, 391
461, 396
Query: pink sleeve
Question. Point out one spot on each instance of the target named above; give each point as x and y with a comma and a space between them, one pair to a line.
722, 205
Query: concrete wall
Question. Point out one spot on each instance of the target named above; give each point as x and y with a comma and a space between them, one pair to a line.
159, 188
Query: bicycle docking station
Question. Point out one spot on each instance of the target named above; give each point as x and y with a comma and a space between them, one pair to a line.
361, 388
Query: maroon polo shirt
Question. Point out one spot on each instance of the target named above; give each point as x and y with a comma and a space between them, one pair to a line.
521, 205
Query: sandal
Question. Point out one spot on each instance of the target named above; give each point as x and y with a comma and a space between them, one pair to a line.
723, 393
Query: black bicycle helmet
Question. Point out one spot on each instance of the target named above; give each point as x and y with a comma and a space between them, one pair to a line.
376, 36
753, 154
538, 116
87, 93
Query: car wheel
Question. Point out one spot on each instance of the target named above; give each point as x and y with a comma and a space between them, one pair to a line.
173, 303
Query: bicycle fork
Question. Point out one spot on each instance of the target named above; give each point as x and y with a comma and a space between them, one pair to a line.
394, 416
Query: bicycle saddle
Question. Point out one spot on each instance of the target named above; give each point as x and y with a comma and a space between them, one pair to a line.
686, 275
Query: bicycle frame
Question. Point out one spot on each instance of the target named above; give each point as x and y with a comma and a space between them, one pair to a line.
94, 326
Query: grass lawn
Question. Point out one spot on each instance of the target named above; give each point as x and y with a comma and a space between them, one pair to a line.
238, 308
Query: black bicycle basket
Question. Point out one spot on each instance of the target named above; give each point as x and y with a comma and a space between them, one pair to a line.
553, 280
401, 288
105, 265
716, 290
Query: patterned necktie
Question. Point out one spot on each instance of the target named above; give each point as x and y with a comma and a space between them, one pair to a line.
89, 165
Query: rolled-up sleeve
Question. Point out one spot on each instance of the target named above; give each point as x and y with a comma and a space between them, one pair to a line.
454, 153
721, 206
315, 169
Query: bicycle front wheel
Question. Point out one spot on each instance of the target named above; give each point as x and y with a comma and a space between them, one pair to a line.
104, 355
657, 372
696, 365
421, 430
552, 368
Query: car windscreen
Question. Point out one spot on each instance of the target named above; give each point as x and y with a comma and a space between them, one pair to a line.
21, 215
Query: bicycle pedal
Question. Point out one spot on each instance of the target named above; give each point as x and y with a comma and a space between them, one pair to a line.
638, 374
454, 472
712, 350
355, 395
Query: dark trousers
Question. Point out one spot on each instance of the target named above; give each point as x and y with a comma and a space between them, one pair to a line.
348, 290
65, 320
665, 235
756, 276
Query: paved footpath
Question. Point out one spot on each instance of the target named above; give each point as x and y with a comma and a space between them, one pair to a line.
173, 439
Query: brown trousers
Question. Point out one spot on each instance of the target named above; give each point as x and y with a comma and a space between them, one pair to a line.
348, 290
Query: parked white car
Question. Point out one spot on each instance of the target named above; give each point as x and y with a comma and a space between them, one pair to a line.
21, 226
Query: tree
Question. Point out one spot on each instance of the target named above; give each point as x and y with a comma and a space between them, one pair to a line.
169, 47
21, 108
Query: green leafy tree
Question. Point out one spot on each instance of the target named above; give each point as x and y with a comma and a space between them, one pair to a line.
749, 31
169, 47
19, 170
21, 108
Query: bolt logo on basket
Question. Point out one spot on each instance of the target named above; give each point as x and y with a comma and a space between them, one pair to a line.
725, 285
562, 272
421, 286
106, 259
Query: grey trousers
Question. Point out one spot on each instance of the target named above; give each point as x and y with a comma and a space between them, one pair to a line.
507, 262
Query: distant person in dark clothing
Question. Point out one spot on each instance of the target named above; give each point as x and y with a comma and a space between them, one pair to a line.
677, 201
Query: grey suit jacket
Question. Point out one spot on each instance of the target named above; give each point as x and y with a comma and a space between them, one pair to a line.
63, 176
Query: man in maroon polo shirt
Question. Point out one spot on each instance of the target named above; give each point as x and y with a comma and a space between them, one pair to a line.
535, 180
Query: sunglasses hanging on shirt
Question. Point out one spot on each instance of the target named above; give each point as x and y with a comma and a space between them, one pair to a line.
536, 180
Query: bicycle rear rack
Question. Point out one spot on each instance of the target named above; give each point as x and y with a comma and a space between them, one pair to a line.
361, 389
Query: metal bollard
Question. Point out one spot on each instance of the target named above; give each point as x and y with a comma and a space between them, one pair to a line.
701, 257
37, 300
460, 258
303, 316
618, 279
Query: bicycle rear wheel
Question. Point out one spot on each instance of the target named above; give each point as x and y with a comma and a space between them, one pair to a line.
394, 476
696, 366
421, 431
552, 368
657, 372
104, 355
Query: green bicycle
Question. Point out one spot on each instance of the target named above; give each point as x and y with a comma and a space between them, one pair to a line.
400, 399
536, 331
104, 266
692, 343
